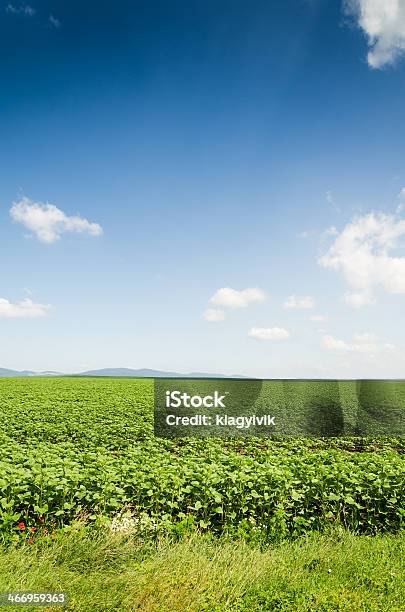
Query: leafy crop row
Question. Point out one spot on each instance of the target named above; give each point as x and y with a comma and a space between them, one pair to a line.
85, 447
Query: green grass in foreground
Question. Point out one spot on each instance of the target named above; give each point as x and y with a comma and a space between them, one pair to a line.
103, 572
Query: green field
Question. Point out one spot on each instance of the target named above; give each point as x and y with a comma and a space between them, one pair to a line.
80, 454
86, 447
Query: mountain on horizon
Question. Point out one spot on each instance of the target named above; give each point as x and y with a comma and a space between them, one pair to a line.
6, 373
149, 373
115, 373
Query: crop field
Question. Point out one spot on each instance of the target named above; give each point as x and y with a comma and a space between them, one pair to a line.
84, 449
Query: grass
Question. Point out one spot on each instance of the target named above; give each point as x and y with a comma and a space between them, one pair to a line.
113, 572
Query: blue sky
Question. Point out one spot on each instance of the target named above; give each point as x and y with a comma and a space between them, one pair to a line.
153, 154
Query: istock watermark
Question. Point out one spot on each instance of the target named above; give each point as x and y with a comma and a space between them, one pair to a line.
251, 407
176, 399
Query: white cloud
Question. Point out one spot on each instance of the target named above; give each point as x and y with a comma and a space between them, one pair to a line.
332, 344
269, 333
383, 22
24, 309
48, 222
231, 298
365, 337
361, 343
213, 315
307, 233
331, 200
331, 231
299, 303
54, 21
358, 300
401, 198
22, 9
361, 252
319, 318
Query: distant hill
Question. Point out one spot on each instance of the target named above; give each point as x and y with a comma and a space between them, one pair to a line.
116, 373
147, 373
5, 373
